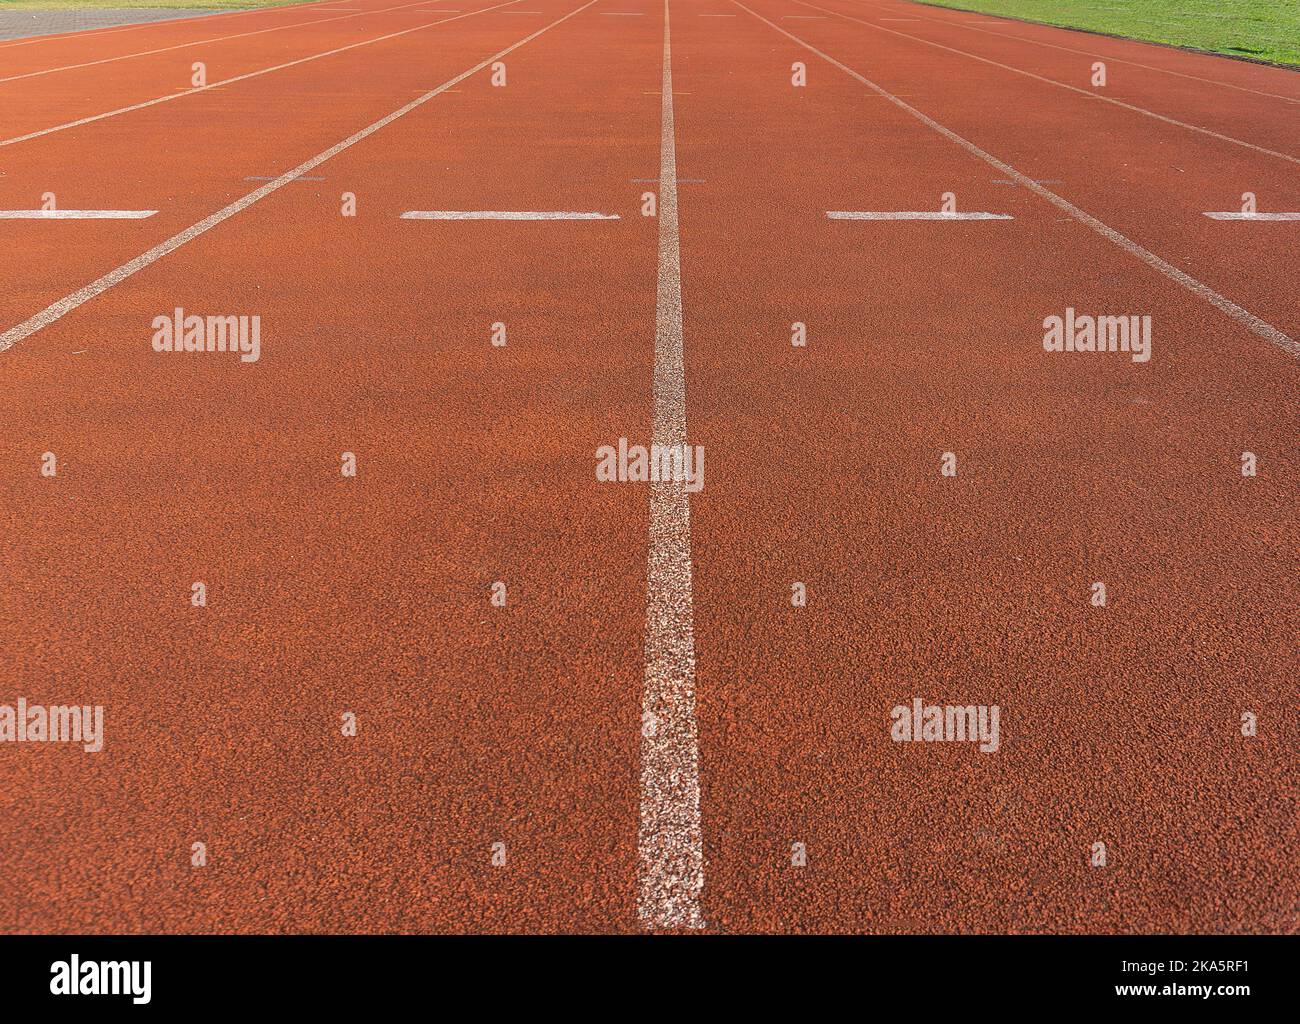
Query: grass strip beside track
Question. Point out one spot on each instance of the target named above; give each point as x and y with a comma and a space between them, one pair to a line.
1260, 29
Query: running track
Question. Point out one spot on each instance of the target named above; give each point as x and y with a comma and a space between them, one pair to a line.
523, 725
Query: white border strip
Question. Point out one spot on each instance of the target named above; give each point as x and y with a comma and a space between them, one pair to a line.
1242, 316
669, 842
97, 287
76, 214
504, 215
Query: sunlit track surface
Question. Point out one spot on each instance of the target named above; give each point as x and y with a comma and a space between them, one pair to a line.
335, 339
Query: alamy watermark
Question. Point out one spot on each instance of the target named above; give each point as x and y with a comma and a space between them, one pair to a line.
223, 333
947, 723
1076, 332
75, 977
660, 463
38, 723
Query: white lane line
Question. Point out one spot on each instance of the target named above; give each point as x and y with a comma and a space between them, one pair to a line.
1253, 216
1203, 291
240, 78
974, 26
197, 42
97, 287
911, 215
76, 214
669, 840
1092, 94
504, 215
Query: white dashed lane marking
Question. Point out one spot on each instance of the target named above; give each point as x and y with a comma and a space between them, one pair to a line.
1253, 216
504, 215
911, 215
76, 214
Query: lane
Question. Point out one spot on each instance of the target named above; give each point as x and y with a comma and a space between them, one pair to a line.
1251, 117
98, 93
232, 128
519, 724
476, 724
57, 48
1149, 181
223, 16
13, 75
1159, 63
1120, 724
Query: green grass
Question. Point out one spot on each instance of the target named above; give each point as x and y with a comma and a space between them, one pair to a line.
1263, 29
101, 5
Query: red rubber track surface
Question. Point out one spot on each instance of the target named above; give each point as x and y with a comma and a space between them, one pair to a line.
520, 725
